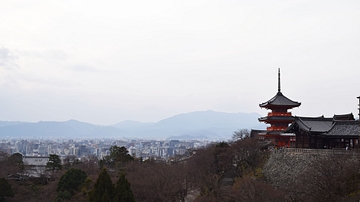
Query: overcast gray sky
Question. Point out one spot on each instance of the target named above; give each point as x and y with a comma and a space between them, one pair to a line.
104, 61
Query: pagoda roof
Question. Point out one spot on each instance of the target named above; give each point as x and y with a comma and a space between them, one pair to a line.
275, 132
277, 118
280, 100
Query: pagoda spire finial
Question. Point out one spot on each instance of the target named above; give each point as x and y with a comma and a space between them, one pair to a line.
279, 87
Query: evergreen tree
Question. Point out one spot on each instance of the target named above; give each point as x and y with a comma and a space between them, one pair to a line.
54, 162
5, 189
118, 155
118, 159
70, 182
123, 191
103, 189
16, 159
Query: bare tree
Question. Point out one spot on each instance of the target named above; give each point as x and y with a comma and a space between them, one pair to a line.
10, 164
241, 134
207, 168
252, 189
89, 164
70, 161
153, 181
248, 155
332, 178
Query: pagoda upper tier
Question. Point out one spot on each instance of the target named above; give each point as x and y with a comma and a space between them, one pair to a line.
279, 118
279, 101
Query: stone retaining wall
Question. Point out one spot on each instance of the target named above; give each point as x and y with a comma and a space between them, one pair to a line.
285, 166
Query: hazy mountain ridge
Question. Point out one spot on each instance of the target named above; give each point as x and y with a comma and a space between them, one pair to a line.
194, 125
132, 124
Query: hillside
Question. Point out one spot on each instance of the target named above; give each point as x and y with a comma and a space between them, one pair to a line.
194, 125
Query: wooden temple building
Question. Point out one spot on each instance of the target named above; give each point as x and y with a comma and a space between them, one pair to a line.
279, 119
339, 131
285, 130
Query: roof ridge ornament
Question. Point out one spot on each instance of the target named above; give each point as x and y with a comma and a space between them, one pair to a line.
279, 87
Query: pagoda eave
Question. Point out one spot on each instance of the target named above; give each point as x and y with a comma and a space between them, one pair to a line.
271, 106
280, 100
287, 119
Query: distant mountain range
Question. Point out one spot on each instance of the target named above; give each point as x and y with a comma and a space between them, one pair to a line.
194, 125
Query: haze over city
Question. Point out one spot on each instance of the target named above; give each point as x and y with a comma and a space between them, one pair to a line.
104, 62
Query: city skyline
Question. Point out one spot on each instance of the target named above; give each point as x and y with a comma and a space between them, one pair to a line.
107, 62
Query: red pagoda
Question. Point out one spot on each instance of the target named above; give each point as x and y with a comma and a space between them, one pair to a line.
279, 119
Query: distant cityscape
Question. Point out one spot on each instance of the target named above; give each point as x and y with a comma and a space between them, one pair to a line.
156, 149
168, 138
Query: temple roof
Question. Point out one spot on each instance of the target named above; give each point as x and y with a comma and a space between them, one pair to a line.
255, 132
313, 124
320, 124
344, 117
280, 100
344, 128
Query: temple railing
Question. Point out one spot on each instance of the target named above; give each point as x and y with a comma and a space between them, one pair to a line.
318, 151
276, 128
279, 114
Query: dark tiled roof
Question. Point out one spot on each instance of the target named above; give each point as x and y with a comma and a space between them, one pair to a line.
344, 117
277, 118
255, 132
280, 100
313, 124
330, 126
275, 132
344, 128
